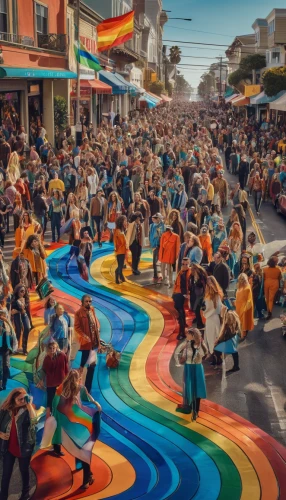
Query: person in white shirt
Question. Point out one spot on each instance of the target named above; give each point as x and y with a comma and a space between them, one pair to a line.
92, 179
111, 116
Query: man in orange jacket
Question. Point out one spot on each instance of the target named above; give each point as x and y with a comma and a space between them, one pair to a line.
181, 293
86, 327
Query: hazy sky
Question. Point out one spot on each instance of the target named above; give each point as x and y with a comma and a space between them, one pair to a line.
223, 18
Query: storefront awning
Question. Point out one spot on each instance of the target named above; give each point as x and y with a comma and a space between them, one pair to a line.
150, 103
229, 92
231, 98
241, 101
132, 89
155, 97
279, 104
262, 98
97, 86
165, 98
118, 88
11, 72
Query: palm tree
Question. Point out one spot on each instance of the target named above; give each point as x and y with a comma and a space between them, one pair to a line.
175, 58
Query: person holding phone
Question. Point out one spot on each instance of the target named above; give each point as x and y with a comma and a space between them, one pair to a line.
17, 438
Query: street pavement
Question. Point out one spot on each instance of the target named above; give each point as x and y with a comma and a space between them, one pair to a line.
258, 391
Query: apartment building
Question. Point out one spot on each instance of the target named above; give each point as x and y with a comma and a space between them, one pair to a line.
34, 65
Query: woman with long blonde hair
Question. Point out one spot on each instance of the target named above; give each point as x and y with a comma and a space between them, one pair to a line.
212, 309
228, 338
244, 304
78, 425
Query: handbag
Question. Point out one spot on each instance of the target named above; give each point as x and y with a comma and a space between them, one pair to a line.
44, 288
112, 358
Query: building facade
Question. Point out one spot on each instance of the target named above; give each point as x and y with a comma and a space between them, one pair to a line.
34, 64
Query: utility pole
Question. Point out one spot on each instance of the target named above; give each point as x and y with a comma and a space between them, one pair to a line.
220, 75
77, 39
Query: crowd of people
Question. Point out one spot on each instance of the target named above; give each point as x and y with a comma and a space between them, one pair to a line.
156, 180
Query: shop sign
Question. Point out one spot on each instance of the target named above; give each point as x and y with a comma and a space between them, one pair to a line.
250, 90
86, 73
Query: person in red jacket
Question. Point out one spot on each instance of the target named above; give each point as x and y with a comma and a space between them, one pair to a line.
55, 366
168, 253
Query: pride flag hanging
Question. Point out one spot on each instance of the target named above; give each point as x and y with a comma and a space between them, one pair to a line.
86, 58
114, 31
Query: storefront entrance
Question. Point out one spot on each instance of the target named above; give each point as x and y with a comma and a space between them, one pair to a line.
10, 110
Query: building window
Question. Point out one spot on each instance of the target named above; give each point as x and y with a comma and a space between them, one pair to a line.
14, 17
41, 19
267, 57
271, 27
275, 56
3, 16
257, 36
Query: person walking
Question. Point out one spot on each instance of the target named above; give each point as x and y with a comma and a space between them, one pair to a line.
244, 305
180, 294
156, 230
228, 339
98, 213
120, 247
197, 285
168, 254
8, 345
17, 439
134, 238
258, 189
56, 214
211, 311
190, 353
20, 315
272, 276
78, 418
87, 329
55, 367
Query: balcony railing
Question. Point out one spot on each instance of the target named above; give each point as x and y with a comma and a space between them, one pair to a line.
20, 39
53, 41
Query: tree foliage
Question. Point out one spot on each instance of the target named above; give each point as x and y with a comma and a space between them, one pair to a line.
237, 76
175, 55
156, 87
60, 113
274, 80
207, 83
253, 62
246, 66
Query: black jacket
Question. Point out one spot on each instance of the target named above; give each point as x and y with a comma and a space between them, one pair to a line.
26, 431
221, 274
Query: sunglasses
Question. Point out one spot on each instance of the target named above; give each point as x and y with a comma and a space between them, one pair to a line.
88, 301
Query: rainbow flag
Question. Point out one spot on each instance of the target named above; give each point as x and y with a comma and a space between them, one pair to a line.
114, 31
86, 58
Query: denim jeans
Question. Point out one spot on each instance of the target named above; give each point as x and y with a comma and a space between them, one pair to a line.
257, 200
56, 225
155, 260
97, 220
21, 321
8, 465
